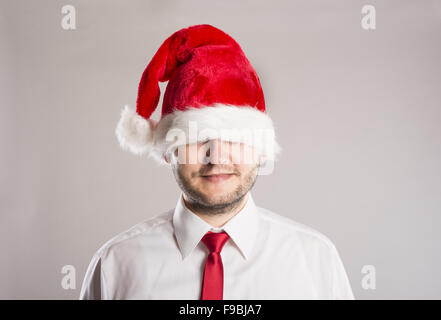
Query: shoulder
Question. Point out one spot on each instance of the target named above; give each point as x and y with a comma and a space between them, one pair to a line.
152, 227
291, 229
120, 249
320, 254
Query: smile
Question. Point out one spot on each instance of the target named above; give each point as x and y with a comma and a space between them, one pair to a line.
217, 177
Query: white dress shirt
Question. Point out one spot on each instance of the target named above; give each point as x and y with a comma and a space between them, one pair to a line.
267, 256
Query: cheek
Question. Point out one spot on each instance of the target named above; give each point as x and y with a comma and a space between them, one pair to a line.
192, 154
246, 171
243, 155
188, 172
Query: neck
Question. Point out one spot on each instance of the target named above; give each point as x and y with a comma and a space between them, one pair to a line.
217, 218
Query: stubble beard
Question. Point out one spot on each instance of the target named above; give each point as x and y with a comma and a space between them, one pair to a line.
198, 201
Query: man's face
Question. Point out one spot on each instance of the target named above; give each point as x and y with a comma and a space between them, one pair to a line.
215, 174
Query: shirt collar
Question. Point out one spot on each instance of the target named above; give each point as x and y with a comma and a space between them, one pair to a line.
189, 228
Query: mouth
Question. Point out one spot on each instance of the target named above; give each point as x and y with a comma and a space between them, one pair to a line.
218, 177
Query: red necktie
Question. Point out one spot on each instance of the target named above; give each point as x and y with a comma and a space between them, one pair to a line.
213, 282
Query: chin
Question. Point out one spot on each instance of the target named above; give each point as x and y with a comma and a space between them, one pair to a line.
217, 194
218, 188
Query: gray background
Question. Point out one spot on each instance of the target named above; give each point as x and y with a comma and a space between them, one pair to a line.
357, 113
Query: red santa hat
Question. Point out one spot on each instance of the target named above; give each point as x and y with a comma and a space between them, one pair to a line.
211, 84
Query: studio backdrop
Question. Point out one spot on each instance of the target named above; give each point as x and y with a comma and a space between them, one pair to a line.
353, 88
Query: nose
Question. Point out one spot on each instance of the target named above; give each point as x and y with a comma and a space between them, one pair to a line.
217, 152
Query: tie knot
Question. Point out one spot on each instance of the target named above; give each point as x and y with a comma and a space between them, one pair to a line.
215, 241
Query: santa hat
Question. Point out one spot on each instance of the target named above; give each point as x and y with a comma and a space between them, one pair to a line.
211, 85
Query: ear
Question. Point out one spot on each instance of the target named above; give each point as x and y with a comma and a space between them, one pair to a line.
166, 158
262, 159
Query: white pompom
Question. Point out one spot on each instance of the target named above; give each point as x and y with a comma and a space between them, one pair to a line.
134, 132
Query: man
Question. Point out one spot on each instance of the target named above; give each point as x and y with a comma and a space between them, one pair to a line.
216, 243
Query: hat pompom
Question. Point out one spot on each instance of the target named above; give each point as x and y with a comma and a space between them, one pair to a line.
134, 132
